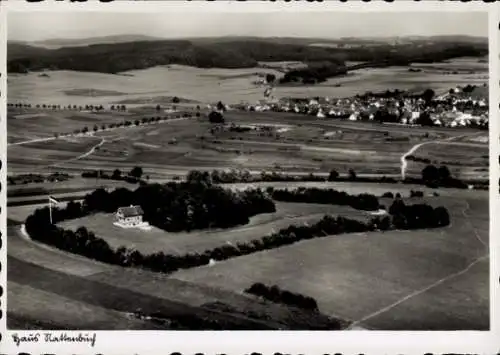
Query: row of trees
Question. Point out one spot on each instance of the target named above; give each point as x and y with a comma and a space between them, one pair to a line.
277, 295
85, 243
418, 216
367, 202
23, 179
413, 193
126, 123
58, 107
233, 176
433, 176
133, 176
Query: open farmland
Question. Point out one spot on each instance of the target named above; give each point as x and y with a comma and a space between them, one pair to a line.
394, 280
401, 270
113, 294
267, 141
234, 85
26, 302
156, 240
465, 160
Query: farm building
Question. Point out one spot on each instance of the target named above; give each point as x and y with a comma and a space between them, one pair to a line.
129, 216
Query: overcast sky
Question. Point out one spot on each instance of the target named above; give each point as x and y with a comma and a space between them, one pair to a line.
32, 26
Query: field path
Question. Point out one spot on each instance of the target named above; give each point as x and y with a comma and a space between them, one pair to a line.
81, 156
33, 141
419, 292
404, 163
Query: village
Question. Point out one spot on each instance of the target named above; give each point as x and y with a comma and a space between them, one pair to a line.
465, 106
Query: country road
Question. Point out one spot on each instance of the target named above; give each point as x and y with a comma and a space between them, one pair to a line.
90, 134
81, 156
404, 163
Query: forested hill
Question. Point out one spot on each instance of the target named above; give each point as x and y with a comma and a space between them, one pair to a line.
223, 53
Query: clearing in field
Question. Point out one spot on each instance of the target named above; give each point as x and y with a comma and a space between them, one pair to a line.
155, 240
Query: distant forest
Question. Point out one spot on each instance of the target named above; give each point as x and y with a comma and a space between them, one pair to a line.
323, 62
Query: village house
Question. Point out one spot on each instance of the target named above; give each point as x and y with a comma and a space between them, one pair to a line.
129, 216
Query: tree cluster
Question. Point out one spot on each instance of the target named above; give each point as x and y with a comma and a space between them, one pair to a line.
185, 206
314, 73
215, 117
416, 193
133, 177
366, 202
277, 295
433, 176
418, 216
23, 179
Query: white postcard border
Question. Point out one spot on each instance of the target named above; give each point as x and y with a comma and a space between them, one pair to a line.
305, 342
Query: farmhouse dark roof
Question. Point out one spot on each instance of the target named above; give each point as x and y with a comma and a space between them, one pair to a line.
131, 211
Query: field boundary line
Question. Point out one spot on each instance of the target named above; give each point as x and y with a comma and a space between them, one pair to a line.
471, 225
81, 156
421, 291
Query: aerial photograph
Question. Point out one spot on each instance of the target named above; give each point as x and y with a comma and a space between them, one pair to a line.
248, 171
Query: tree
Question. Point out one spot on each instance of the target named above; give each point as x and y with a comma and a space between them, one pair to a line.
196, 176
158, 108
136, 172
442, 216
333, 175
216, 117
428, 95
352, 174
270, 78
424, 119
430, 174
397, 207
176, 100
444, 173
117, 174
221, 107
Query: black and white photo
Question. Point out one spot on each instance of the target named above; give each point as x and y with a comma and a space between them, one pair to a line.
212, 170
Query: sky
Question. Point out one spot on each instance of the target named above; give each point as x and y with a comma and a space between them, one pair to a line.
35, 26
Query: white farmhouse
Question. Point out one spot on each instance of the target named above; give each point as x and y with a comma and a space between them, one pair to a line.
129, 216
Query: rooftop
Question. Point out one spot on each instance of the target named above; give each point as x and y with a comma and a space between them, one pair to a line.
131, 211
